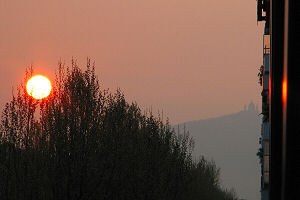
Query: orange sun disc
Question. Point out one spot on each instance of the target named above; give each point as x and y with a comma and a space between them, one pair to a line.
38, 87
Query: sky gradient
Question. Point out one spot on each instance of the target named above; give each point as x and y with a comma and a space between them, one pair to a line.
192, 59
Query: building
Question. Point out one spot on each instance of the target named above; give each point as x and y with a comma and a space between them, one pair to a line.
264, 76
263, 15
282, 24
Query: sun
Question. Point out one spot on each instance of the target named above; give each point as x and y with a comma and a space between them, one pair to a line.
38, 87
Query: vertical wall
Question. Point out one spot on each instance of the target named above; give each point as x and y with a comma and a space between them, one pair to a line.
291, 129
276, 72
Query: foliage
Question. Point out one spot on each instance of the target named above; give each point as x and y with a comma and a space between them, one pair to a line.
82, 142
260, 74
260, 154
265, 109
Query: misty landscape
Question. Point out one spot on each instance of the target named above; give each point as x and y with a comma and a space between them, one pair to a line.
232, 141
80, 142
81, 82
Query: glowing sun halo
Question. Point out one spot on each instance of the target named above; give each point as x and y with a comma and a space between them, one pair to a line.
38, 87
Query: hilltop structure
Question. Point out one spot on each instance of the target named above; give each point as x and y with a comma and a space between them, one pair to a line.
231, 141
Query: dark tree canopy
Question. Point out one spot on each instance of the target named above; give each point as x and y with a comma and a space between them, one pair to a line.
83, 142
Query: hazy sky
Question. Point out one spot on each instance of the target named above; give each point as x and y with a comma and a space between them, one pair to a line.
191, 58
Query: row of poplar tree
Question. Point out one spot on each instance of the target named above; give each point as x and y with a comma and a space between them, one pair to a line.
83, 142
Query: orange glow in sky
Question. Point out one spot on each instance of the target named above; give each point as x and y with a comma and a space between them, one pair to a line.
38, 87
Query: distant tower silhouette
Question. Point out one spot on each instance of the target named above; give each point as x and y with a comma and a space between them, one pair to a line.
251, 106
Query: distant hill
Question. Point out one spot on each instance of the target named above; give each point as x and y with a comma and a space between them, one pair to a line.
232, 142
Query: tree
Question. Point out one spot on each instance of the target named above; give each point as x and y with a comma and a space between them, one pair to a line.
82, 142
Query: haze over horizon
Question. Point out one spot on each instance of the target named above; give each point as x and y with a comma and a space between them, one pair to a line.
195, 61
192, 59
231, 141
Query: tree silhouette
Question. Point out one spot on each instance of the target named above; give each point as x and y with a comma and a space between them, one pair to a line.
83, 142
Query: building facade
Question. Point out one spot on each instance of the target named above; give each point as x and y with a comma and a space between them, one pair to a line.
264, 76
281, 162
